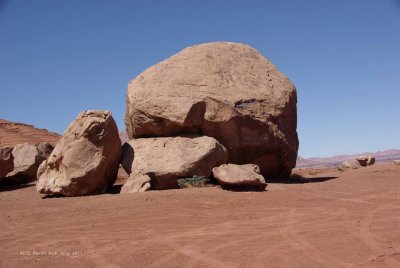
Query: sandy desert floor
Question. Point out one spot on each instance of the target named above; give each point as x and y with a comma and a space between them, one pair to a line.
332, 219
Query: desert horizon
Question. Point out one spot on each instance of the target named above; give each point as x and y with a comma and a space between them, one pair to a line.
13, 133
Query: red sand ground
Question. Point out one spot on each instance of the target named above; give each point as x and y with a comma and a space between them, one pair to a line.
349, 221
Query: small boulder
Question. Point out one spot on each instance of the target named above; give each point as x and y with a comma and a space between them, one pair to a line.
397, 162
27, 159
366, 160
353, 164
136, 183
232, 175
166, 160
85, 160
44, 149
6, 161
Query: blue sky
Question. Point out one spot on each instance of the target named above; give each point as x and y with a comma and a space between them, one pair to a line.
58, 58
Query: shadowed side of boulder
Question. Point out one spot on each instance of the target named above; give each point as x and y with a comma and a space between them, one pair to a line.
6, 161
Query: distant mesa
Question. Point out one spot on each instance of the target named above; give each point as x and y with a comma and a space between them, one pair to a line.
380, 156
12, 133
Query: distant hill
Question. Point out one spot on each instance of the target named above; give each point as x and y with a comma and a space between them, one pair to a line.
12, 133
123, 136
381, 156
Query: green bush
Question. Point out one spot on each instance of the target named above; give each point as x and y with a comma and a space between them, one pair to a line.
195, 181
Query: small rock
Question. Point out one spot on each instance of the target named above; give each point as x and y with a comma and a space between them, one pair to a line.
366, 160
239, 175
136, 183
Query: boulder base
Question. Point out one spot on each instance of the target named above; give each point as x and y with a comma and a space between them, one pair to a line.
166, 160
85, 160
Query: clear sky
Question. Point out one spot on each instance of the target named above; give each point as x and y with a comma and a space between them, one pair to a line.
58, 58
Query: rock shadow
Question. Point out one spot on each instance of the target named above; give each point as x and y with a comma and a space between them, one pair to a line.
298, 179
11, 186
115, 189
245, 188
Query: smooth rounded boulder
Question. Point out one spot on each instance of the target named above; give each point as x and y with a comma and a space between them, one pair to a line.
166, 160
6, 161
85, 160
224, 90
239, 176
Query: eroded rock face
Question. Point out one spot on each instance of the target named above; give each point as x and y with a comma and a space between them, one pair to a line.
6, 161
85, 160
366, 160
231, 175
223, 90
27, 158
166, 160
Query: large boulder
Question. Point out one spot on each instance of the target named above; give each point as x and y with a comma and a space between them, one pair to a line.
27, 158
236, 176
366, 160
85, 160
6, 161
223, 90
166, 160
